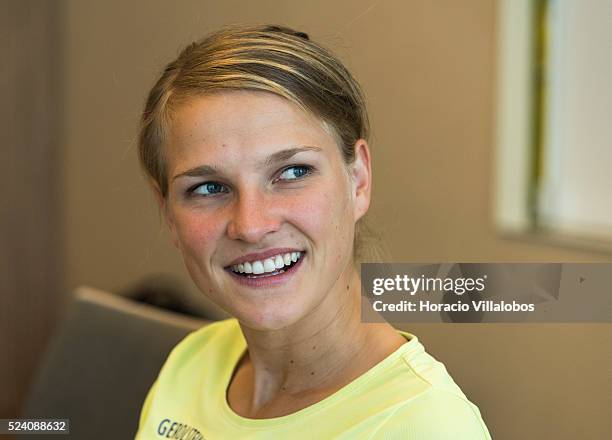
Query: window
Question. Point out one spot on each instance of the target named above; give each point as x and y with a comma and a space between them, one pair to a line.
554, 120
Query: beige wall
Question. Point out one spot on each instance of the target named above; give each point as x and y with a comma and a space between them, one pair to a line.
427, 68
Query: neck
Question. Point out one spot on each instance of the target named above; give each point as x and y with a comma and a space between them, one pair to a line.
327, 348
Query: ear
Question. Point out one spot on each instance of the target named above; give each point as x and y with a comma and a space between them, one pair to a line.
362, 178
162, 203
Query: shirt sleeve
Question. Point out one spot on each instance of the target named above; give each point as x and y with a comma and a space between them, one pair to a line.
144, 412
436, 415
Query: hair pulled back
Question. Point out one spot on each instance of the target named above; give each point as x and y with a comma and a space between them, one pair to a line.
266, 58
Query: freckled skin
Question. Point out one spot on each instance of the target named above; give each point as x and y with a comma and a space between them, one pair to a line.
233, 132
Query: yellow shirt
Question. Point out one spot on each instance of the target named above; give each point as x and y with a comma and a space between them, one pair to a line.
408, 395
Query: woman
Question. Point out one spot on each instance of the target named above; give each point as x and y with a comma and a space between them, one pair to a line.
255, 143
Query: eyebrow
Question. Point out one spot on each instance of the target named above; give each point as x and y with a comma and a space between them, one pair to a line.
279, 156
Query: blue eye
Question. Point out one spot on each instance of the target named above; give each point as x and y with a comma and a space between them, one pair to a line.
208, 189
295, 172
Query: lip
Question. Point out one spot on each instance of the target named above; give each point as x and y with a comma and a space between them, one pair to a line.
269, 281
262, 255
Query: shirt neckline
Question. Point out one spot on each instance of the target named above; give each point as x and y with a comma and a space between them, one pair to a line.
411, 343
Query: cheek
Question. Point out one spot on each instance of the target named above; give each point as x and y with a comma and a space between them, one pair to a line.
323, 213
195, 231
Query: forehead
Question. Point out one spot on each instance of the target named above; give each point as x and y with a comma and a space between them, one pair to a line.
241, 125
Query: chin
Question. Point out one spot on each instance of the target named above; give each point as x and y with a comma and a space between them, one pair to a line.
271, 317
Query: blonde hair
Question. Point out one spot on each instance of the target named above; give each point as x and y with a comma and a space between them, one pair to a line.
265, 58
259, 58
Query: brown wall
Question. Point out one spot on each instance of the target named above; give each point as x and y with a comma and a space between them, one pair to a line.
428, 70
30, 250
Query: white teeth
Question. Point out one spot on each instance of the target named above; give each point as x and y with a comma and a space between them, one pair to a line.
268, 265
258, 267
278, 262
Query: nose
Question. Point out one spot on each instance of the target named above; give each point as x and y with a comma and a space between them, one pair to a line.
252, 217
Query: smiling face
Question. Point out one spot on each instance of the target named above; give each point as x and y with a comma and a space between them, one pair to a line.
257, 185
